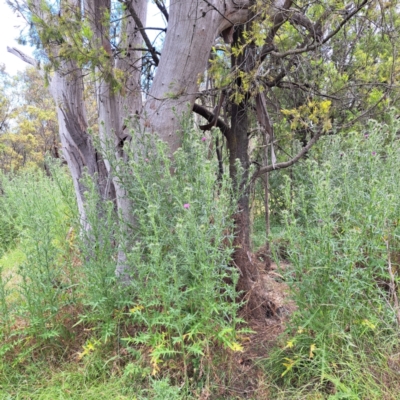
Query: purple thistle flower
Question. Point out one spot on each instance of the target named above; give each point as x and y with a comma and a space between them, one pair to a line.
374, 153
366, 136
186, 205
203, 139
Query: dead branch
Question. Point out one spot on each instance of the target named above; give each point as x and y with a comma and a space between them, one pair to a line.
289, 163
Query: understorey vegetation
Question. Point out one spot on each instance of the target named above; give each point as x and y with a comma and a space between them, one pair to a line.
176, 328
201, 203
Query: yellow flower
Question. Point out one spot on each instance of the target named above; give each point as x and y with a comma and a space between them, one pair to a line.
290, 343
234, 346
312, 349
136, 308
87, 349
368, 323
289, 364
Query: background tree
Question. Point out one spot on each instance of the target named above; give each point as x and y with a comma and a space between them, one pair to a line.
29, 122
5, 104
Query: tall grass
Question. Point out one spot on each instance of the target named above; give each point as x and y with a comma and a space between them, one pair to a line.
37, 214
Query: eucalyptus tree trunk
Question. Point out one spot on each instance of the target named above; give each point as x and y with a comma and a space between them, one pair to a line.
193, 27
114, 106
66, 87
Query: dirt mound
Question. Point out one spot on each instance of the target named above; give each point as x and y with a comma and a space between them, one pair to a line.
273, 291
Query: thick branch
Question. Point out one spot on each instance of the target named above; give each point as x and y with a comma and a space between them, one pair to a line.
140, 26
209, 116
22, 56
314, 30
295, 18
289, 163
219, 12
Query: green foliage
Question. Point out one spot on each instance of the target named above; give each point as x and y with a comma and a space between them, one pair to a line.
41, 217
182, 288
8, 232
342, 227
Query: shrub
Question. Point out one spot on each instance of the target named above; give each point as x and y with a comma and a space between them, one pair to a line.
177, 246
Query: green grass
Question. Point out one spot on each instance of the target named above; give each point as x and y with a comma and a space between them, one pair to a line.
12, 259
69, 384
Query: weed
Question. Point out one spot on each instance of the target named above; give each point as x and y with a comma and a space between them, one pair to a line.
341, 227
